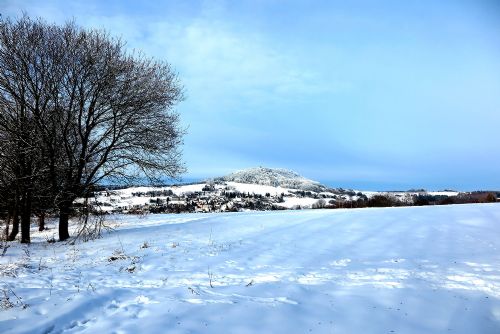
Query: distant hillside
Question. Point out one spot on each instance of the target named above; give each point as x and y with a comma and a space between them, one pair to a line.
276, 177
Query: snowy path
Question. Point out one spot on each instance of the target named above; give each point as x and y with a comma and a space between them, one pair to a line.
393, 270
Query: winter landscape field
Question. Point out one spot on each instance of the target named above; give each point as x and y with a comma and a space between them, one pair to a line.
432, 269
249, 167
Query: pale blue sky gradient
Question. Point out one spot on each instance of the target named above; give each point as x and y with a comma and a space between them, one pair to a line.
358, 94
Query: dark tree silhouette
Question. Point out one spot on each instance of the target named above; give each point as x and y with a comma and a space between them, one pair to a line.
77, 109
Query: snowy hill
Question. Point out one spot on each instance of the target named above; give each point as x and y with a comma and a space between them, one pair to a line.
255, 189
408, 270
275, 177
250, 189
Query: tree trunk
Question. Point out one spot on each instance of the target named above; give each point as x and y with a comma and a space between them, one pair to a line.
26, 218
15, 218
25, 228
7, 224
41, 221
15, 226
64, 212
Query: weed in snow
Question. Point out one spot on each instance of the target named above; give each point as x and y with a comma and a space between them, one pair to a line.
9, 299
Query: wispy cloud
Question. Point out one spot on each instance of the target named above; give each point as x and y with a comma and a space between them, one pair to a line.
225, 66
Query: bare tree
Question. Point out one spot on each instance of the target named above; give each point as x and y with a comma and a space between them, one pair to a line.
95, 112
9, 190
115, 116
28, 73
22, 86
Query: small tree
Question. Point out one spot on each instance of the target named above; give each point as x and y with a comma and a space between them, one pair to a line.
319, 204
491, 197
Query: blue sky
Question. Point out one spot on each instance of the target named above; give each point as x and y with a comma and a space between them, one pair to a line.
363, 94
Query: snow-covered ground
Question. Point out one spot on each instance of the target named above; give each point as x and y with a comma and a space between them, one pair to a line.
429, 269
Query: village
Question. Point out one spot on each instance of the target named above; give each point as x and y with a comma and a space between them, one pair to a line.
228, 196
212, 197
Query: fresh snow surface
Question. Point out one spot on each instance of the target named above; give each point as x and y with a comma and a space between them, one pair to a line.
443, 193
392, 270
302, 202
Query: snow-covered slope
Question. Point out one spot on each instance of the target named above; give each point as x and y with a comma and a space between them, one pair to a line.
275, 177
408, 270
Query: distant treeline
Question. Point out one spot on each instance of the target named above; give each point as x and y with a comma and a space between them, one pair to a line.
417, 200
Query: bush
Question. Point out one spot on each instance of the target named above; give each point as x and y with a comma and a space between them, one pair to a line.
491, 198
447, 201
320, 204
382, 201
421, 200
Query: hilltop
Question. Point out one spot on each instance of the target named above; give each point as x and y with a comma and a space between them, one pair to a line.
274, 177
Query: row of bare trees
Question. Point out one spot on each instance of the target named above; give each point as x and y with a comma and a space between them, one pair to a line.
76, 109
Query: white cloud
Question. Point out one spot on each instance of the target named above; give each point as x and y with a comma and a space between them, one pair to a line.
219, 63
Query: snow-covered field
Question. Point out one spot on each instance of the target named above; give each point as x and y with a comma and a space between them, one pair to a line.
392, 270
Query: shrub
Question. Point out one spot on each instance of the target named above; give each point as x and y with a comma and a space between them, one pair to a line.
447, 200
382, 201
491, 198
421, 200
320, 204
